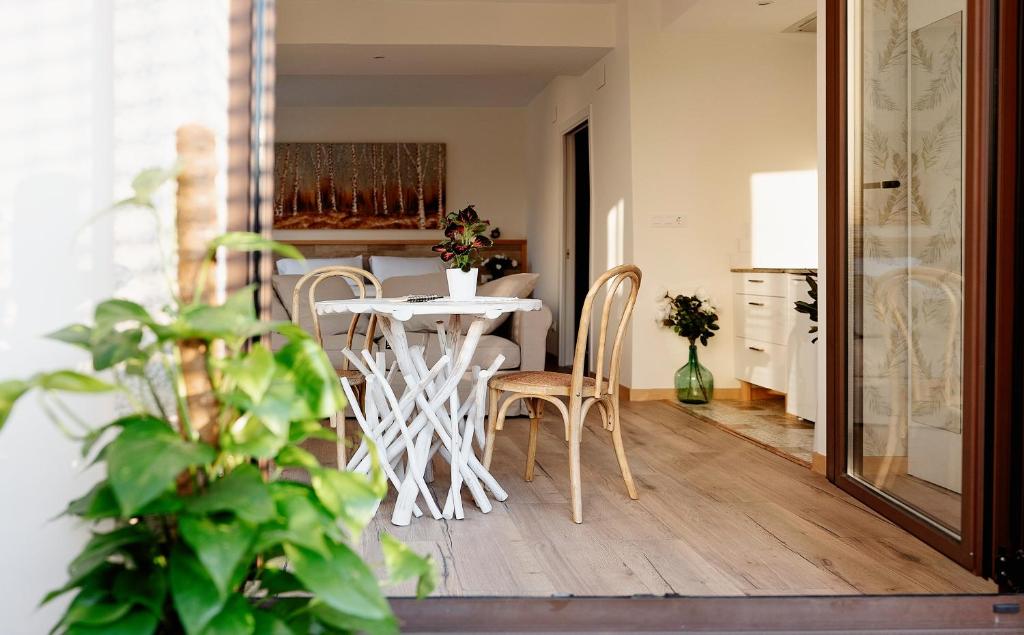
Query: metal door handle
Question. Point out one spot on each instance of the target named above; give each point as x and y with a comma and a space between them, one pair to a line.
754, 348
758, 281
882, 185
756, 303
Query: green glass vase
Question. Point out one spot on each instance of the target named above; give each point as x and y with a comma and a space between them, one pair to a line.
694, 383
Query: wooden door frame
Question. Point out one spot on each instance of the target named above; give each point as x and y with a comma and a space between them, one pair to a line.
979, 206
1006, 388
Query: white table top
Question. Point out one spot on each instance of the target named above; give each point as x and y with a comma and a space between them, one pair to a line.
402, 309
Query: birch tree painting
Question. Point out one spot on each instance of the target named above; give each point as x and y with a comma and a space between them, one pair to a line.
359, 185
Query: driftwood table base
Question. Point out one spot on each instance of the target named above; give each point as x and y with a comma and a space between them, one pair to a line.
407, 431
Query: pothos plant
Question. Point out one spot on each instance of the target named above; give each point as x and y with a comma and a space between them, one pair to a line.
189, 534
465, 233
691, 316
810, 309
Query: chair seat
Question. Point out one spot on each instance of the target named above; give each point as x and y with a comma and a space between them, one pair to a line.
542, 382
353, 376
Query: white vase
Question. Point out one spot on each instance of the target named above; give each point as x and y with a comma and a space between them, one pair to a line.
462, 284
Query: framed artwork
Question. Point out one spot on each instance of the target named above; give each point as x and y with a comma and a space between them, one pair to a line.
359, 185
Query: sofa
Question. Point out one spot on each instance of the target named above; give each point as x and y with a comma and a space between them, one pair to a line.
520, 336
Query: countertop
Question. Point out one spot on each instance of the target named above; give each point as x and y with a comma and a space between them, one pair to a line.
770, 270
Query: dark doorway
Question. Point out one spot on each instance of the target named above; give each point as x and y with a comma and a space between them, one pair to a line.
581, 213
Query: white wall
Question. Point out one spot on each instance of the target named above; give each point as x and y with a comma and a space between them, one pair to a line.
710, 111
820, 437
93, 93
602, 94
486, 156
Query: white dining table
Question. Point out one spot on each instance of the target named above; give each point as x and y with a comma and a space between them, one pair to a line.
406, 429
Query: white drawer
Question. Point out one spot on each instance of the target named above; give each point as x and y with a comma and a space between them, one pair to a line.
773, 284
761, 363
762, 317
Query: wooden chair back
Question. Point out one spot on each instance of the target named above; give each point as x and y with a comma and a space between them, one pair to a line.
359, 278
613, 278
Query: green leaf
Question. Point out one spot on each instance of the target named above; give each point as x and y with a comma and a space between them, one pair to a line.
95, 606
235, 618
10, 392
302, 430
248, 241
145, 587
315, 379
110, 348
351, 497
102, 546
148, 181
76, 334
99, 502
241, 492
112, 312
278, 581
143, 461
138, 622
269, 624
193, 593
352, 624
220, 546
294, 456
404, 564
235, 320
339, 578
253, 372
71, 381
251, 436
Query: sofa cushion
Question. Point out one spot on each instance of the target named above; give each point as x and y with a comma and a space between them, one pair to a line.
517, 285
385, 267
291, 266
330, 289
425, 284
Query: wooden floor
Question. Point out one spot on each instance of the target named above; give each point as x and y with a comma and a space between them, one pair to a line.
717, 515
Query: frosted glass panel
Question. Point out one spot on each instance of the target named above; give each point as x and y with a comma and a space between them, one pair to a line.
906, 239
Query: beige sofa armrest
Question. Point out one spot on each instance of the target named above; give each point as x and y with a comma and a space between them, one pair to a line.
530, 332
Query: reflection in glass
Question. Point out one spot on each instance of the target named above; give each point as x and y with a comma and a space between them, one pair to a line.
906, 241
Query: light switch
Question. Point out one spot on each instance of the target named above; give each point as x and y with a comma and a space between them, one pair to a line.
668, 220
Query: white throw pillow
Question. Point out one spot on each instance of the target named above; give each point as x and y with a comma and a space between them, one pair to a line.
291, 266
385, 267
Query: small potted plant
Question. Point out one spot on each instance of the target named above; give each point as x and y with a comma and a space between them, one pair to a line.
695, 318
465, 233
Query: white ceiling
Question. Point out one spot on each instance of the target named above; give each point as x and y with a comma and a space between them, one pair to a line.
406, 91
435, 59
739, 15
486, 75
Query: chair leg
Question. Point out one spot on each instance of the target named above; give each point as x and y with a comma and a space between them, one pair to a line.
493, 396
620, 452
575, 486
536, 408
338, 422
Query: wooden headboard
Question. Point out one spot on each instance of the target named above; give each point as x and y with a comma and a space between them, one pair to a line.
511, 247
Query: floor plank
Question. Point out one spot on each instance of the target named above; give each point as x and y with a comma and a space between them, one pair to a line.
716, 516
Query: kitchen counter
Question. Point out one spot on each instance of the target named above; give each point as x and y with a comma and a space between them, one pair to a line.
770, 270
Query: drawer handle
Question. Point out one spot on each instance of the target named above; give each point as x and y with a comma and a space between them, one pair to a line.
754, 348
757, 281
756, 303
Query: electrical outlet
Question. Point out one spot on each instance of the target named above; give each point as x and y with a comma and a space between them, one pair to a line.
667, 220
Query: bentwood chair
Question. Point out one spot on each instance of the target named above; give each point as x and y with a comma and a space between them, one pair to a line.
580, 392
357, 279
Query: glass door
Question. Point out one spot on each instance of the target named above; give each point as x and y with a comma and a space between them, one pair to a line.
905, 421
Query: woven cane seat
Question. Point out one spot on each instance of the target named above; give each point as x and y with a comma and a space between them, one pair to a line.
353, 376
540, 382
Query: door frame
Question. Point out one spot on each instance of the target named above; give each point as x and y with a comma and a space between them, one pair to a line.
979, 214
567, 282
993, 526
